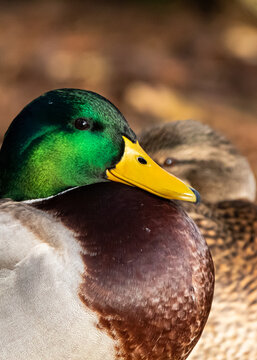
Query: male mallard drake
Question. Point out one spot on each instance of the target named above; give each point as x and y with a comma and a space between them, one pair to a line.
98, 271
206, 159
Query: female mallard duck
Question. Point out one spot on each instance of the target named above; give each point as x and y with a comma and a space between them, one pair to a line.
98, 271
205, 159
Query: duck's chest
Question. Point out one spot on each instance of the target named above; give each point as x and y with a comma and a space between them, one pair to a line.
41, 314
147, 274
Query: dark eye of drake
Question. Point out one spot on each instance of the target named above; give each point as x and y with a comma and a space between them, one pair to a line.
169, 162
82, 124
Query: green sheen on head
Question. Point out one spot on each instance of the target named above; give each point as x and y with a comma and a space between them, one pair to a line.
63, 139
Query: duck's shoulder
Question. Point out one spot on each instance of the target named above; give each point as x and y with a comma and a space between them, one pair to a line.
225, 212
240, 221
227, 223
238, 212
235, 215
22, 229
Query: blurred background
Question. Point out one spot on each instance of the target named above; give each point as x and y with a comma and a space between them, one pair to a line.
156, 60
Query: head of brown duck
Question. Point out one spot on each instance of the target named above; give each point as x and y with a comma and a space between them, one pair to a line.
203, 158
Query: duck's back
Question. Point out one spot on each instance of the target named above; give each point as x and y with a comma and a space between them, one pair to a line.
230, 229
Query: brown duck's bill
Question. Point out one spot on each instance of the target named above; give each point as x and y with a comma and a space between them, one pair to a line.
136, 168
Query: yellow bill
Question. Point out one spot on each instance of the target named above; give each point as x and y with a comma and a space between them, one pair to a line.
136, 168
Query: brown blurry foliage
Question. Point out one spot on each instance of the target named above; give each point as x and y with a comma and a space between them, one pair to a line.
157, 61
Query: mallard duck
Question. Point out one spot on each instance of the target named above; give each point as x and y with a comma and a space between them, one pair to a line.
204, 158
91, 268
201, 156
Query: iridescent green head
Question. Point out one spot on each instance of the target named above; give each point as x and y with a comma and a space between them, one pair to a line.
63, 139
68, 138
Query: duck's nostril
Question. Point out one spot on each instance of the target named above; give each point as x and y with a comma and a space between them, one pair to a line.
142, 160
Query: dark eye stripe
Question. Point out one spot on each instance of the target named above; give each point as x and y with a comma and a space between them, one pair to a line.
173, 161
97, 126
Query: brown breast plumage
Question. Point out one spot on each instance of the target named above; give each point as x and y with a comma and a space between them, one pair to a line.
148, 271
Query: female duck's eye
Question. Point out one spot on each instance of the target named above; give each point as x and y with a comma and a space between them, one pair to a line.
169, 162
82, 124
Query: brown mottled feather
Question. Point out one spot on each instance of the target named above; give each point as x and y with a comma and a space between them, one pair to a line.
148, 272
229, 227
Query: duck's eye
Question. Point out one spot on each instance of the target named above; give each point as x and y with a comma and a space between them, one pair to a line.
82, 124
169, 162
